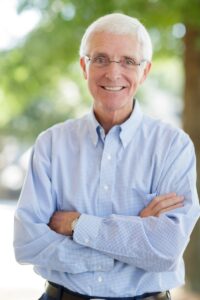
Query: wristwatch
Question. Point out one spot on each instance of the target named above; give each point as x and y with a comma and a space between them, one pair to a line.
73, 225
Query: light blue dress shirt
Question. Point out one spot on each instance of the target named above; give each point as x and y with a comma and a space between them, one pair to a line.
109, 180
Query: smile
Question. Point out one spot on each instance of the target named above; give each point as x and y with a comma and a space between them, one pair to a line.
113, 88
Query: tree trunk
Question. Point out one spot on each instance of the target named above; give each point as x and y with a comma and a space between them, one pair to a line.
191, 122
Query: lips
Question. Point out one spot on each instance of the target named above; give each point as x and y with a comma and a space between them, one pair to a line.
113, 88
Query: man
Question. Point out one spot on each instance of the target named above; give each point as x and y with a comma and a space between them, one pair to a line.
109, 201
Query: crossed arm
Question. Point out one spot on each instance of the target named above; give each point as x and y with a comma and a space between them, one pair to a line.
161, 237
61, 221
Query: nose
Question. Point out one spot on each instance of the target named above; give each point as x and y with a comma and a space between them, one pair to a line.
113, 71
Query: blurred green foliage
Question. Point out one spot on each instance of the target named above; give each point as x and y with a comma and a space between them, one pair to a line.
31, 72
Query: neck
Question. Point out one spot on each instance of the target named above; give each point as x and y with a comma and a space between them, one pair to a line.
108, 119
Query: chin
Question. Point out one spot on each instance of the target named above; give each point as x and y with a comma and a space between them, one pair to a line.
116, 104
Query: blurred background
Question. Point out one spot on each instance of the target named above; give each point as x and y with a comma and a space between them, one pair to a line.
41, 84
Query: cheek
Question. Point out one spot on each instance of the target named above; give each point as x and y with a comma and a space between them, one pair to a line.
134, 83
92, 86
136, 80
93, 80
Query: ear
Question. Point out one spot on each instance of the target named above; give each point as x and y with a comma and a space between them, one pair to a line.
145, 72
83, 67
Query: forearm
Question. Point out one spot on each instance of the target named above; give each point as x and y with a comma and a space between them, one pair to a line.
38, 245
153, 244
122, 237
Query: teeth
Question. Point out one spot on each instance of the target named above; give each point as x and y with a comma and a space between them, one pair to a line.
113, 88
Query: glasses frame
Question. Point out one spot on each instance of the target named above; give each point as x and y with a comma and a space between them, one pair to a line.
90, 59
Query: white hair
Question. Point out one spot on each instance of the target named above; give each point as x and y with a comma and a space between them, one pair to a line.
118, 23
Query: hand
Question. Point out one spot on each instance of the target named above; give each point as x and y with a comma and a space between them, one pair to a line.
61, 221
162, 204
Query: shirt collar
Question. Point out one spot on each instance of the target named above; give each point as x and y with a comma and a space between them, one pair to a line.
127, 129
130, 126
93, 127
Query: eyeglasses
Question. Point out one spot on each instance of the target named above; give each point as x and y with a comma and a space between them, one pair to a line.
101, 61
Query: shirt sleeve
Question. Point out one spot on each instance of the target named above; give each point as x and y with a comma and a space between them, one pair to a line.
34, 242
154, 243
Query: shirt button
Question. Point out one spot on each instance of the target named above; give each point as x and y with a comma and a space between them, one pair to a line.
99, 268
109, 157
86, 241
100, 279
105, 187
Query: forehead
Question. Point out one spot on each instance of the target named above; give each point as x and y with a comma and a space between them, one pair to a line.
113, 44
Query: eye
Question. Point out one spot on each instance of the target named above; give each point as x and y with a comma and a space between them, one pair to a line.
129, 61
100, 60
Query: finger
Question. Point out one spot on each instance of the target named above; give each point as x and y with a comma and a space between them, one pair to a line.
170, 208
51, 225
159, 198
164, 203
53, 222
167, 204
57, 216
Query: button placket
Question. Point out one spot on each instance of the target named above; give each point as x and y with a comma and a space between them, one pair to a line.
107, 174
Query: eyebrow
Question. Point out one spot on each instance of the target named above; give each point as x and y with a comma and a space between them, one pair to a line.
105, 54
100, 54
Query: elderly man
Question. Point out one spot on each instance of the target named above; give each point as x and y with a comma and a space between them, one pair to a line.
109, 201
